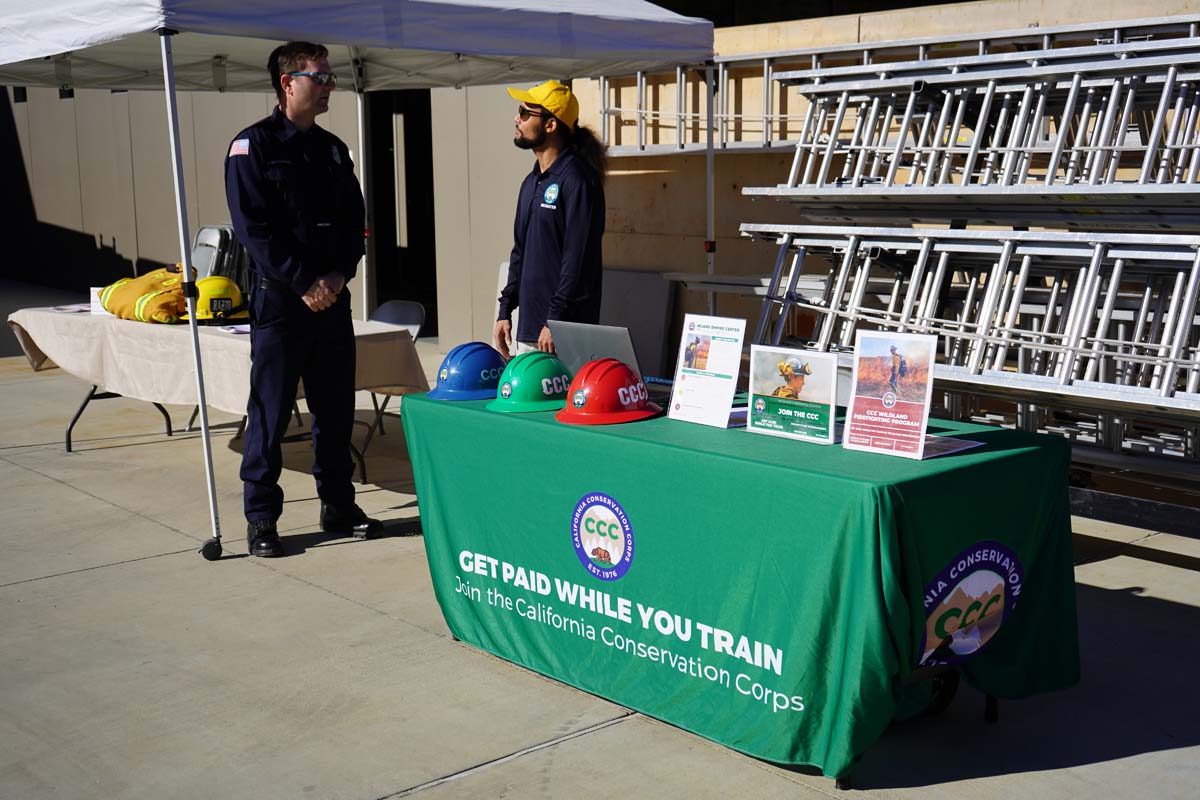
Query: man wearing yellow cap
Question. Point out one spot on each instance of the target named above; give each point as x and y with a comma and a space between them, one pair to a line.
555, 268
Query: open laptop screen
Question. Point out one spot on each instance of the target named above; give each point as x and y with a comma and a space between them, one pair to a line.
578, 343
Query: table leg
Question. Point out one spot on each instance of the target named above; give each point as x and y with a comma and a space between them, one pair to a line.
362, 463
379, 411
87, 399
377, 423
166, 416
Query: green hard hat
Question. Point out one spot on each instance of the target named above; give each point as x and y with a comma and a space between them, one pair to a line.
532, 382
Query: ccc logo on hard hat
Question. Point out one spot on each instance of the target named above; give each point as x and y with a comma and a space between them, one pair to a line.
602, 536
631, 395
444, 374
506, 390
579, 398
556, 385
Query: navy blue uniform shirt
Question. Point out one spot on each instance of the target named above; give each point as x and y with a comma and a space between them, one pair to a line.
555, 269
295, 202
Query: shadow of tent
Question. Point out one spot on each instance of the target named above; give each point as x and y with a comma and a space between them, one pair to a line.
388, 466
1135, 697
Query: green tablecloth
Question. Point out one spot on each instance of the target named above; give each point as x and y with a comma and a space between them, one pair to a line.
768, 594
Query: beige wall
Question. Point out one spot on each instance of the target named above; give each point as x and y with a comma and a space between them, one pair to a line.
476, 174
100, 163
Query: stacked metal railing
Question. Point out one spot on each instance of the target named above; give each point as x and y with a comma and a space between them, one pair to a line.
1104, 320
1101, 142
638, 117
1063, 135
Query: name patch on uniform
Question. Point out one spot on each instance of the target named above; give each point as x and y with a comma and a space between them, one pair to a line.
240, 147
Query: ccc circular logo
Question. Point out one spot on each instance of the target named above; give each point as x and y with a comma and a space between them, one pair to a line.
506, 390
579, 398
444, 374
889, 399
551, 193
602, 536
760, 405
968, 601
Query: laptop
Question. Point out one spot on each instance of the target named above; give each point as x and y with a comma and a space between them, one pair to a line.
577, 343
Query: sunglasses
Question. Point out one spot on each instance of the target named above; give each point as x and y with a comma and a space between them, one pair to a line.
525, 113
323, 78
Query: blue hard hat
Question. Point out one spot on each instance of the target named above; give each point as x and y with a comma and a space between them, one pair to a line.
470, 371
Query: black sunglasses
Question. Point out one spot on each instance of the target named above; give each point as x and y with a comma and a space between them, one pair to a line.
525, 113
323, 78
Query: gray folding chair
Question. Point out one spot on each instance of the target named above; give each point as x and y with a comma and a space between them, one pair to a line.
406, 314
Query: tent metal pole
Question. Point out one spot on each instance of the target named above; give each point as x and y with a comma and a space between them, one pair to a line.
710, 239
367, 262
366, 271
185, 251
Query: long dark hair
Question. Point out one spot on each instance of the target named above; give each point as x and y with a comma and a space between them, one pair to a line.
589, 147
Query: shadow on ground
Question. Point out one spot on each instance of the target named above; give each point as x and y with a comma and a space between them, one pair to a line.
1136, 696
386, 457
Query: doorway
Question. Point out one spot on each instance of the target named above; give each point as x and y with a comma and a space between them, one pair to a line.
401, 197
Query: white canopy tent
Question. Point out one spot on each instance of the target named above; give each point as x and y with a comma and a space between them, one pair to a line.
383, 44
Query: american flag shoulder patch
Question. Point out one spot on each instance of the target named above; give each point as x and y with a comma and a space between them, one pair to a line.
240, 147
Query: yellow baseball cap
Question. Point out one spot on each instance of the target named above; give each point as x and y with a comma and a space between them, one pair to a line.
554, 97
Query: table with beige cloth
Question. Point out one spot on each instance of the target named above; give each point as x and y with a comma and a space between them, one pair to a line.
152, 362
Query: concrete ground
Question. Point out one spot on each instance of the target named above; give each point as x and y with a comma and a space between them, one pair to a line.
132, 668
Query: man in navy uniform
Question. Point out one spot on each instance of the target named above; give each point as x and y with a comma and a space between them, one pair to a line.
298, 208
555, 269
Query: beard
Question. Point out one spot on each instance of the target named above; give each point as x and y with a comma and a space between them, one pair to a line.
526, 143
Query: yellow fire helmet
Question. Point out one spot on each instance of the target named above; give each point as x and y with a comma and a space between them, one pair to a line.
220, 301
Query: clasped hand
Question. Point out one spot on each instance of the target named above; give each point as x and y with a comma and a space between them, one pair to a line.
324, 291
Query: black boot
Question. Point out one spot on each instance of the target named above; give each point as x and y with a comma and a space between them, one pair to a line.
263, 539
349, 521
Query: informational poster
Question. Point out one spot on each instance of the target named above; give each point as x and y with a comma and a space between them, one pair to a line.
710, 358
893, 383
793, 393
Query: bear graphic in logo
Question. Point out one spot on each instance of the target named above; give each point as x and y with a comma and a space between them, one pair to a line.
551, 193
579, 399
602, 536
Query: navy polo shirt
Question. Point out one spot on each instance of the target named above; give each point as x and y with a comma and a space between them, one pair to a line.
295, 202
555, 269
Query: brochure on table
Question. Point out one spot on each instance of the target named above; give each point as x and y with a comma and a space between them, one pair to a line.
710, 358
793, 393
893, 383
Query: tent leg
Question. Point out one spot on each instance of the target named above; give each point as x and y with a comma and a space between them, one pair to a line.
710, 236
212, 548
366, 270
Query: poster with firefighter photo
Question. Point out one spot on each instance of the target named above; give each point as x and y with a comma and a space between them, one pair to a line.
889, 405
793, 393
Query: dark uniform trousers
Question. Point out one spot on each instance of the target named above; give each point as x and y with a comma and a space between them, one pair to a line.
289, 342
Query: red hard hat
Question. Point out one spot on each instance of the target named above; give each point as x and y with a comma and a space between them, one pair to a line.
605, 391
